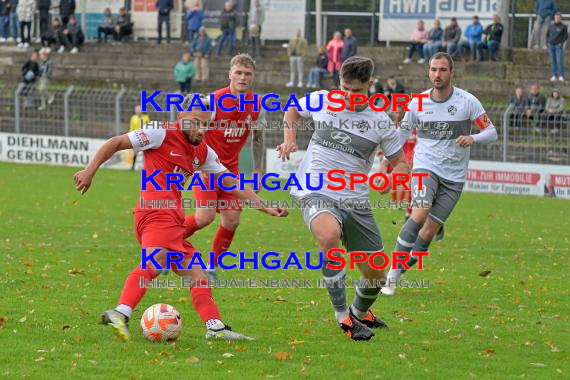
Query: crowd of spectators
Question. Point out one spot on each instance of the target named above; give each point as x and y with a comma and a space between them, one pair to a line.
533, 111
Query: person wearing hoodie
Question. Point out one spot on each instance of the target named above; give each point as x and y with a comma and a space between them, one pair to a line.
26, 10
30, 72
201, 50
451, 37
417, 41
545, 10
553, 111
106, 26
73, 35
317, 71
183, 73
473, 33
54, 36
193, 18
557, 35
493, 34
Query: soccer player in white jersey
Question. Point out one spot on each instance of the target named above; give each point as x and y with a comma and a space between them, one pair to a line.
352, 150
445, 135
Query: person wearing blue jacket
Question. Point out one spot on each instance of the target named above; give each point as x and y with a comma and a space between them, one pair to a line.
433, 43
473, 33
193, 18
545, 10
201, 52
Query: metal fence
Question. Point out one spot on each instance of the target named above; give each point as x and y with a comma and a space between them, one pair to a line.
102, 113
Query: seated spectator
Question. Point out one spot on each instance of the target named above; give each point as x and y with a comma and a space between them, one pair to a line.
123, 25
376, 88
418, 39
54, 36
393, 87
473, 34
535, 105
30, 72
518, 104
201, 51
451, 37
553, 111
433, 42
73, 35
183, 73
316, 72
334, 55
492, 39
106, 26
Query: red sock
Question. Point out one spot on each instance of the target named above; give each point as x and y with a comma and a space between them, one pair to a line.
402, 195
409, 210
191, 226
132, 291
204, 303
394, 195
222, 241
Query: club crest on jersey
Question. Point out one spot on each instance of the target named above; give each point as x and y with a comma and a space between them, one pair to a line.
452, 110
363, 126
196, 163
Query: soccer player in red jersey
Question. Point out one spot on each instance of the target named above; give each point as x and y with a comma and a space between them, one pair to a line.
169, 150
227, 137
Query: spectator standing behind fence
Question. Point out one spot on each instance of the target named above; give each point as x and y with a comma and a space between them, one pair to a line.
433, 42
473, 34
535, 105
45, 75
123, 25
4, 19
26, 10
66, 10
518, 104
183, 73
14, 22
134, 125
451, 37
53, 36
228, 24
418, 39
193, 18
30, 72
334, 54
492, 40
106, 26
545, 10
256, 18
201, 52
164, 7
553, 111
73, 35
45, 17
296, 50
316, 72
350, 45
557, 35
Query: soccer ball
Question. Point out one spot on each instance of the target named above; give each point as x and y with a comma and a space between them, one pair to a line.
161, 322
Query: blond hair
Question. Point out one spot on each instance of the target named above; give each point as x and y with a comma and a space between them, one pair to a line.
243, 59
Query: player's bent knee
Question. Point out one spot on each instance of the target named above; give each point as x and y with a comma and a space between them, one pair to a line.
205, 217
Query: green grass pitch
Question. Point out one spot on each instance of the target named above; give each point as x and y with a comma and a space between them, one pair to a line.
65, 257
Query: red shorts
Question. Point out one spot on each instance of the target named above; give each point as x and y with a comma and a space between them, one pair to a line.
214, 197
162, 228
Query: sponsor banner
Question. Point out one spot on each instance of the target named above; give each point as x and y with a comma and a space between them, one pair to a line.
398, 18
483, 176
515, 178
57, 150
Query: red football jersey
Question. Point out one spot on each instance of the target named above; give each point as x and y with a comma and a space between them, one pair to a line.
228, 142
169, 151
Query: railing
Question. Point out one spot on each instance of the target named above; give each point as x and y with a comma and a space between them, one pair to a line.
103, 113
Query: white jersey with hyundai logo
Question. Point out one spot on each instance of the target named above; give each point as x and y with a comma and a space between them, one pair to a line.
438, 125
349, 144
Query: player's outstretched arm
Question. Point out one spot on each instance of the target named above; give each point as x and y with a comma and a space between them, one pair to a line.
84, 177
250, 195
289, 135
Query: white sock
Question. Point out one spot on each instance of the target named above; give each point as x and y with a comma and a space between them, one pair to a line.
359, 314
214, 324
341, 315
394, 273
125, 310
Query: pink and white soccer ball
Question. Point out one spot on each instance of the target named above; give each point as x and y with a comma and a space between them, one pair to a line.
161, 322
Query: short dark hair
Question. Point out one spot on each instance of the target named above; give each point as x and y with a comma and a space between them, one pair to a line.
476, 17
443, 55
357, 68
454, 19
